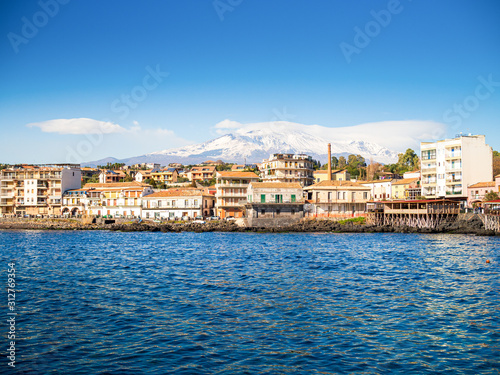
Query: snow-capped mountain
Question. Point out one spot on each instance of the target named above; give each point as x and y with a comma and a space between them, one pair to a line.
254, 142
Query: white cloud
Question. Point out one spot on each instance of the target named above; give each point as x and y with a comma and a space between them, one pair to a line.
166, 132
226, 126
77, 126
395, 135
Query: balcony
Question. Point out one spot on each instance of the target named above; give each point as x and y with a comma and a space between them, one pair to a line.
229, 186
231, 195
427, 171
454, 192
453, 155
453, 181
429, 182
6, 193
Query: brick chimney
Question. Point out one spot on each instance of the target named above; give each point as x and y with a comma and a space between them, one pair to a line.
329, 178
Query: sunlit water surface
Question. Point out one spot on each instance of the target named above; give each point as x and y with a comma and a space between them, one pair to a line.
233, 303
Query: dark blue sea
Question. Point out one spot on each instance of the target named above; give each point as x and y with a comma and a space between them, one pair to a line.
232, 303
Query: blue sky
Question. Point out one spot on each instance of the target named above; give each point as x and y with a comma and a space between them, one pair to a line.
188, 65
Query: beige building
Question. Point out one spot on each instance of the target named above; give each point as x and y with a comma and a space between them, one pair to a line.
450, 165
337, 175
406, 188
204, 173
288, 168
174, 204
231, 192
337, 198
36, 189
166, 175
118, 199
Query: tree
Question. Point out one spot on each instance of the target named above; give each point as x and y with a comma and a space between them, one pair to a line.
223, 167
491, 196
342, 162
111, 166
409, 161
335, 162
316, 164
496, 163
371, 169
151, 182
129, 178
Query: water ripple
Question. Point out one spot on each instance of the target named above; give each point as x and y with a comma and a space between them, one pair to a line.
218, 303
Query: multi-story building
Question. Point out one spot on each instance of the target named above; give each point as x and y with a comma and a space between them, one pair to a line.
337, 198
178, 203
449, 166
109, 176
406, 188
379, 189
36, 189
115, 199
337, 175
288, 168
143, 175
231, 192
477, 192
74, 202
274, 203
166, 175
202, 173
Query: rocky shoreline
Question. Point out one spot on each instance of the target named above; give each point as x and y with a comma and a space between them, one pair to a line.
473, 226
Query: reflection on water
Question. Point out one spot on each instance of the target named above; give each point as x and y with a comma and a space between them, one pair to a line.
155, 303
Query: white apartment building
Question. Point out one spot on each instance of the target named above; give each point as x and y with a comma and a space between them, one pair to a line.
288, 168
36, 189
449, 166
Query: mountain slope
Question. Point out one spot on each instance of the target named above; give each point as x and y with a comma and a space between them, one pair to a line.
255, 142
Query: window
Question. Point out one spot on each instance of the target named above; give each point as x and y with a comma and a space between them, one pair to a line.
262, 198
293, 198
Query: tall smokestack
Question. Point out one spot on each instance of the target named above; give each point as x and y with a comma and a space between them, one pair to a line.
329, 162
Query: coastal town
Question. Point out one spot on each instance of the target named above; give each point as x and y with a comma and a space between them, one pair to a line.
461, 173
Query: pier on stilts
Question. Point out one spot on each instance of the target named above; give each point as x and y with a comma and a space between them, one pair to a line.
491, 215
414, 213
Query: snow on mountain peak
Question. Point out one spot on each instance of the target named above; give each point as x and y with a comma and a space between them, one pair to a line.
255, 142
